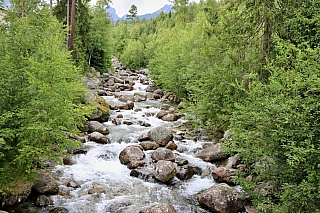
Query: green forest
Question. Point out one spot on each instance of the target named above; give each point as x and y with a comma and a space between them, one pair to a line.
43, 98
251, 67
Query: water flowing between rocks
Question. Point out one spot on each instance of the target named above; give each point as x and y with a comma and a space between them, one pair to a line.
115, 191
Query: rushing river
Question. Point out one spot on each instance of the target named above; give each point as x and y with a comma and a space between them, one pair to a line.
123, 193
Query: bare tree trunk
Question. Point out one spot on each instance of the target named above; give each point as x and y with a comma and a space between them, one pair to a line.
68, 24
73, 12
51, 7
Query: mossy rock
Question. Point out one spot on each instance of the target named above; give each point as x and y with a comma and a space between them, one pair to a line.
102, 104
101, 107
16, 193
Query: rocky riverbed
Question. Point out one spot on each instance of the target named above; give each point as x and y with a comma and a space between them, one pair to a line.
141, 156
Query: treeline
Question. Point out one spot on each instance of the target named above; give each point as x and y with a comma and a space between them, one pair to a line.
249, 66
43, 99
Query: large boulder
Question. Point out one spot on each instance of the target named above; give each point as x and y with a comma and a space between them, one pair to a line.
224, 174
163, 154
131, 153
161, 135
221, 198
101, 112
187, 171
212, 153
96, 189
20, 193
139, 96
159, 208
46, 184
149, 145
98, 137
43, 201
59, 210
171, 117
95, 126
144, 174
165, 170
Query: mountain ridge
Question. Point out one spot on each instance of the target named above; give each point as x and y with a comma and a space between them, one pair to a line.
113, 14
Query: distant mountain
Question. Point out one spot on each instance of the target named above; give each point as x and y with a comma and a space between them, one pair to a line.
112, 14
166, 8
6, 4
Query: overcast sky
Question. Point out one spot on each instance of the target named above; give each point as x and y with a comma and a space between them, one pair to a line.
144, 6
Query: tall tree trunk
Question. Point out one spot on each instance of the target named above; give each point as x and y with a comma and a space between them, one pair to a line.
68, 24
266, 38
50, 7
73, 12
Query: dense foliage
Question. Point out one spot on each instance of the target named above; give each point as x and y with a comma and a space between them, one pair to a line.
43, 99
41, 96
92, 33
249, 66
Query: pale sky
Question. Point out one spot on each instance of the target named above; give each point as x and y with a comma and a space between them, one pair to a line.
144, 6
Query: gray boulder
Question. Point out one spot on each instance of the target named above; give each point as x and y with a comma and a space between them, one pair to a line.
96, 188
159, 208
139, 96
165, 170
43, 201
98, 137
149, 145
221, 198
163, 154
131, 153
59, 210
223, 174
95, 126
212, 153
161, 135
46, 184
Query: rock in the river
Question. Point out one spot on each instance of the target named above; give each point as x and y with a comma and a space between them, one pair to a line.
68, 161
144, 137
161, 114
159, 208
43, 200
127, 106
101, 113
98, 137
131, 153
212, 153
59, 210
163, 154
97, 188
149, 145
46, 184
95, 126
139, 96
165, 170
144, 173
221, 198
171, 117
186, 172
223, 174
161, 135
73, 184
136, 164
171, 145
